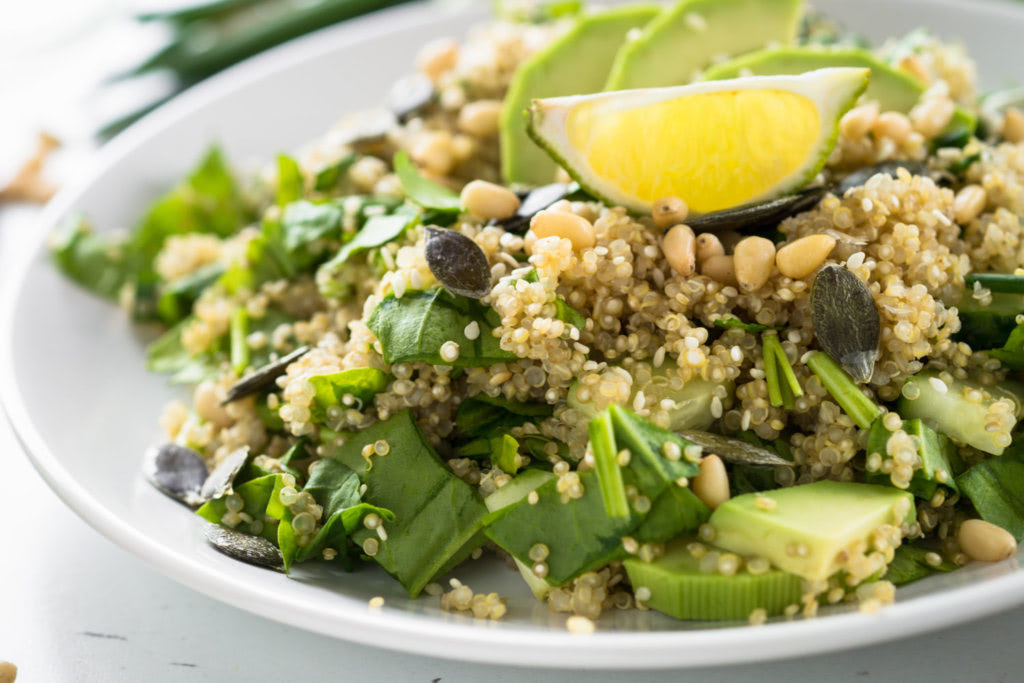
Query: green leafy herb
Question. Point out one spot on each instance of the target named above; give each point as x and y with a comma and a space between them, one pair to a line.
290, 185
1012, 353
94, 261
255, 495
413, 329
996, 488
854, 402
176, 298
166, 355
303, 223
438, 517
501, 451
426, 193
960, 166
488, 416
910, 564
362, 384
379, 230
329, 177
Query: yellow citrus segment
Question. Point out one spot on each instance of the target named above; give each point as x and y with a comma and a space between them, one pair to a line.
715, 150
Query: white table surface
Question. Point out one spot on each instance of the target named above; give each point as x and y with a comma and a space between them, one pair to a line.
74, 607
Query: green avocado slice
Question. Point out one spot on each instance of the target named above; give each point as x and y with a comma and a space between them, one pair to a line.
686, 37
894, 90
575, 64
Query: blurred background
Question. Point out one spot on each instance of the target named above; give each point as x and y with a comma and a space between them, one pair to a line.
75, 72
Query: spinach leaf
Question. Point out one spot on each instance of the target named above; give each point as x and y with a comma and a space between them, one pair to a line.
488, 416
568, 314
996, 488
413, 328
290, 184
303, 223
379, 230
167, 356
438, 517
255, 494
648, 469
176, 298
728, 322
1012, 353
360, 383
94, 261
501, 451
426, 193
330, 176
909, 564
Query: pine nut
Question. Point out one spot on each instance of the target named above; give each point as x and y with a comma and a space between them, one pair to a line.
985, 542
802, 257
576, 229
858, 121
487, 200
679, 247
912, 65
437, 56
480, 118
931, 116
669, 211
892, 125
969, 203
433, 151
712, 484
754, 258
720, 268
1013, 125
708, 245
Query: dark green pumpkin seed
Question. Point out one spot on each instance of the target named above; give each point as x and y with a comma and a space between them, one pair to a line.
177, 471
861, 176
751, 218
734, 451
223, 475
410, 96
247, 548
846, 322
534, 201
264, 377
458, 263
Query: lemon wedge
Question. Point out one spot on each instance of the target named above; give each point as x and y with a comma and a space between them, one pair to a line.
716, 144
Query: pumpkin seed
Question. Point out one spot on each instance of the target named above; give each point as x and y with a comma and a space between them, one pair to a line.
177, 472
733, 451
247, 548
223, 475
846, 322
753, 217
534, 201
458, 263
263, 377
861, 176
410, 95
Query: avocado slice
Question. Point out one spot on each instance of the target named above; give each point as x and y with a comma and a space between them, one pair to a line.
894, 90
686, 37
679, 588
936, 451
575, 64
825, 518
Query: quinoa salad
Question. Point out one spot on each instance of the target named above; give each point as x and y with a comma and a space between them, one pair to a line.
709, 307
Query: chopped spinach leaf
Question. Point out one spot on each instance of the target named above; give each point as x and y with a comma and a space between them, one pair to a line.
94, 261
329, 177
731, 321
488, 416
290, 184
414, 327
426, 193
996, 488
176, 298
361, 384
909, 564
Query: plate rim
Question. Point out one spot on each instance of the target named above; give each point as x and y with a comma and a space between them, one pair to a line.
457, 638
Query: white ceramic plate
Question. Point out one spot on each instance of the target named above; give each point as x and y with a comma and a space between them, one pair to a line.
73, 384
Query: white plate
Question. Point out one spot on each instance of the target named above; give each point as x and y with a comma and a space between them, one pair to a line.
73, 384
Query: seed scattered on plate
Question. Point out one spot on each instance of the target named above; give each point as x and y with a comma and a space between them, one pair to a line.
458, 263
247, 548
177, 471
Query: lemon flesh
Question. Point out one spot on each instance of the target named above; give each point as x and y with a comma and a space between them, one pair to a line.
716, 144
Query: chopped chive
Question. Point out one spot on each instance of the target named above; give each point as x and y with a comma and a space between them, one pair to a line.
609, 474
997, 282
854, 402
771, 373
239, 346
775, 356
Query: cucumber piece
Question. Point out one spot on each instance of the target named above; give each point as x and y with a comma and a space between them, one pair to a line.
962, 410
692, 399
512, 493
679, 589
937, 453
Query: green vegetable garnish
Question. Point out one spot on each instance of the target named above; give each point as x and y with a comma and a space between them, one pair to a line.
426, 193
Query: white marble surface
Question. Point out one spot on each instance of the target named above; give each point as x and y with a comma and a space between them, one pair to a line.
75, 608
